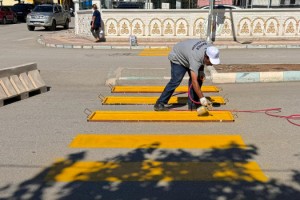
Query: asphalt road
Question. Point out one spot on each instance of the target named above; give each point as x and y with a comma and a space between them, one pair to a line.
37, 131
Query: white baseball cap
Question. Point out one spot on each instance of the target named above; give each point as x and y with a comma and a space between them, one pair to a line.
213, 54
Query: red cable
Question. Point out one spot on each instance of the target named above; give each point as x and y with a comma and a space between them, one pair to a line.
266, 111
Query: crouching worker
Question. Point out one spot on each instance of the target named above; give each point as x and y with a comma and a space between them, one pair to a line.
188, 56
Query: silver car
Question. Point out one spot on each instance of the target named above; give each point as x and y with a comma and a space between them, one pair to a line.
48, 16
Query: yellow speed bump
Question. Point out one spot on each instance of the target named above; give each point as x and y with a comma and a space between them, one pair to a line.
158, 141
155, 52
157, 89
135, 100
152, 170
153, 116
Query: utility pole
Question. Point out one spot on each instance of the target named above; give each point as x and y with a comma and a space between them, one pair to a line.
247, 2
209, 21
270, 3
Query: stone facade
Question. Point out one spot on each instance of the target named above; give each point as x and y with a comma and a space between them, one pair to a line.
181, 24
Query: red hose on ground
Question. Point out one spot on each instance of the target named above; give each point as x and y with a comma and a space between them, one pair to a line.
266, 111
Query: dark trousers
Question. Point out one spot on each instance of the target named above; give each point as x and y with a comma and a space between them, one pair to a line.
194, 95
177, 74
95, 31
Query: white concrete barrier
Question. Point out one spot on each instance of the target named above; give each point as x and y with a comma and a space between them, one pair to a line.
20, 81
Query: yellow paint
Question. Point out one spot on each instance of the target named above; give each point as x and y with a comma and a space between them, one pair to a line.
156, 141
155, 52
156, 171
157, 89
166, 116
134, 100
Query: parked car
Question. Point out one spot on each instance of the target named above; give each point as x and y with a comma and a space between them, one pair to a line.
7, 15
48, 16
221, 6
22, 10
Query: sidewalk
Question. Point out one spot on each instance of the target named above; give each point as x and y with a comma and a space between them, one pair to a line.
68, 39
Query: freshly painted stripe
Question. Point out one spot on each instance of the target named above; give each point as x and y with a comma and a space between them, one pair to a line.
156, 89
136, 100
155, 52
162, 141
151, 170
153, 116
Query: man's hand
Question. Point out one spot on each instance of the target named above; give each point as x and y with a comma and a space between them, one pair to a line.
204, 101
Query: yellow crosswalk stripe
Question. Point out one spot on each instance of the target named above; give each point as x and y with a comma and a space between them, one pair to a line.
135, 100
155, 52
151, 170
157, 89
161, 140
152, 116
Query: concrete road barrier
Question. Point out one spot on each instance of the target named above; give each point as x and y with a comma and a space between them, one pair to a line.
20, 81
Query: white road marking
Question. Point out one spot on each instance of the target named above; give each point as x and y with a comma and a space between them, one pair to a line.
24, 39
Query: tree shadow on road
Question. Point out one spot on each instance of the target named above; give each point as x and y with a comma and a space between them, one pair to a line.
150, 173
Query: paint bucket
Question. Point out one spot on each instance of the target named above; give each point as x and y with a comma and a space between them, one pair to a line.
202, 111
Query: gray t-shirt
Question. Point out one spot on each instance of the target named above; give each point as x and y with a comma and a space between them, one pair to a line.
189, 53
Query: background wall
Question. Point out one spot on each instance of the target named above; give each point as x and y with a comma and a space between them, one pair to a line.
251, 24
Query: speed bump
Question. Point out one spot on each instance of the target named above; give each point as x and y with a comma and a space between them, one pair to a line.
165, 116
157, 89
191, 141
146, 100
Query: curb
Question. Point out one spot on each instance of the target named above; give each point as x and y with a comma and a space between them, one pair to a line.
236, 77
253, 77
41, 41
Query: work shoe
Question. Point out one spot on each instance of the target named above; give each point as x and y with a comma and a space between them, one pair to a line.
160, 107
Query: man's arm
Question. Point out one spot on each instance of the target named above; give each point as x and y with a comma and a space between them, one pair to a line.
93, 21
196, 85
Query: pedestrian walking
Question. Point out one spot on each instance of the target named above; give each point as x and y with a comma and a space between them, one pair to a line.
96, 23
188, 56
